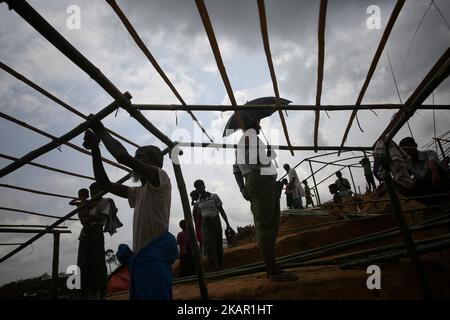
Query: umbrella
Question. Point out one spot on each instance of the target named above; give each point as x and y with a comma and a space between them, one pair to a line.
250, 117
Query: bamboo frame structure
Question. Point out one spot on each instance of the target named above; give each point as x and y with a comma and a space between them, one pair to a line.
152, 60
57, 100
436, 75
291, 107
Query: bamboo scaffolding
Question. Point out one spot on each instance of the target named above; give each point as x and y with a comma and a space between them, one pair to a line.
217, 56
2, 185
44, 28
33, 213
265, 38
387, 31
57, 100
55, 143
153, 61
4, 156
321, 58
291, 107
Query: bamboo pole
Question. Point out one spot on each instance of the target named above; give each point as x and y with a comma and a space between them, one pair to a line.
55, 266
33, 213
265, 38
56, 142
321, 58
152, 60
28, 226
2, 185
15, 230
315, 184
190, 228
291, 107
4, 156
304, 148
404, 229
57, 100
387, 31
217, 56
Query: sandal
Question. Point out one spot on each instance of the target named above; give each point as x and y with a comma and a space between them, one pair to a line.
284, 277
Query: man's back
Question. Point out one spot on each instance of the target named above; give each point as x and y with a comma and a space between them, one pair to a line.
151, 210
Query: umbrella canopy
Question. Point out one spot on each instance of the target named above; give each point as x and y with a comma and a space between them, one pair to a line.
250, 117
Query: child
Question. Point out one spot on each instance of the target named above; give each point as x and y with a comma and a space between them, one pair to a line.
288, 192
308, 195
83, 195
186, 261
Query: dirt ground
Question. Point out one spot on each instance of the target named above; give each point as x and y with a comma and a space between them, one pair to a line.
303, 230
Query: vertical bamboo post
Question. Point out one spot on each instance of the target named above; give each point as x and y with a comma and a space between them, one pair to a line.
353, 180
404, 229
55, 266
189, 224
315, 184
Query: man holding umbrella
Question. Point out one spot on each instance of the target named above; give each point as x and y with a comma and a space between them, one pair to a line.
256, 177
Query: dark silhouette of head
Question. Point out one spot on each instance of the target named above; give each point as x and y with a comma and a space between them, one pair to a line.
285, 181
339, 174
286, 167
94, 189
151, 155
199, 186
182, 225
83, 193
305, 182
409, 145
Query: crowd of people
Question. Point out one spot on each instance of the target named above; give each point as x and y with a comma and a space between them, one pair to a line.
155, 249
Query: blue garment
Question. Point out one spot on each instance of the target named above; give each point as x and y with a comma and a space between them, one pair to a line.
150, 269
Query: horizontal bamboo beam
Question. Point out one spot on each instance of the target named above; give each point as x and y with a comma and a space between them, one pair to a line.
56, 99
4, 156
34, 213
152, 60
387, 31
291, 107
12, 230
299, 148
28, 226
56, 142
2, 185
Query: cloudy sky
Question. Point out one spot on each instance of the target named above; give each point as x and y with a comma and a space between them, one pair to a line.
173, 32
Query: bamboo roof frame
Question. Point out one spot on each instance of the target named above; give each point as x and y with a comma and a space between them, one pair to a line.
439, 72
291, 107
